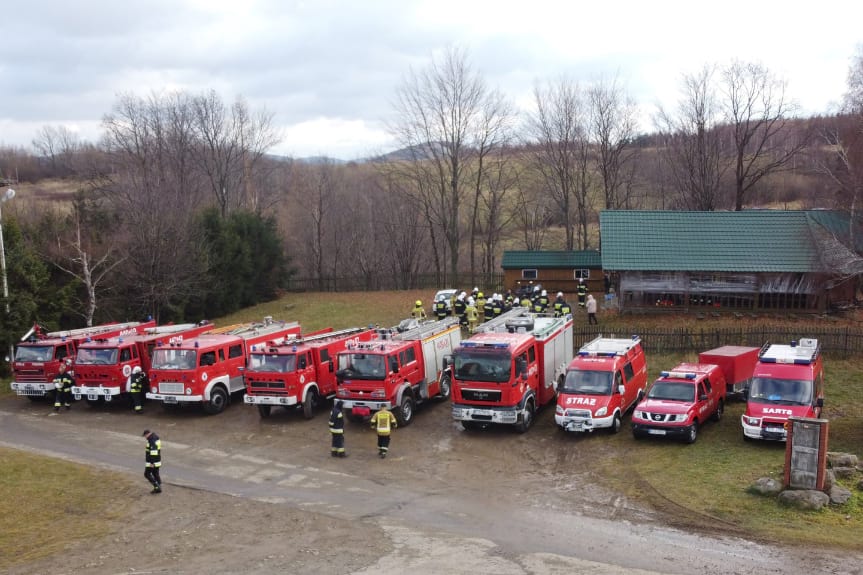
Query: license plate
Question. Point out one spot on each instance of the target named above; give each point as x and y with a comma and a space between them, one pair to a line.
482, 413
169, 399
92, 396
28, 386
774, 429
656, 431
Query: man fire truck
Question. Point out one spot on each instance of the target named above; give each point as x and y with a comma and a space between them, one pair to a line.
399, 371
37, 358
209, 368
510, 368
788, 380
299, 372
103, 366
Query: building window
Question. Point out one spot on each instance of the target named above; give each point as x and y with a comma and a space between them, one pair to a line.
581, 274
529, 274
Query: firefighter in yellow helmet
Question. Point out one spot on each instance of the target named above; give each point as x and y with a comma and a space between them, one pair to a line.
383, 422
418, 312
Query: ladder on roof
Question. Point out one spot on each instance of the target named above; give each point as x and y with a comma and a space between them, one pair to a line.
610, 345
226, 329
428, 329
500, 321
95, 330
166, 329
291, 340
258, 329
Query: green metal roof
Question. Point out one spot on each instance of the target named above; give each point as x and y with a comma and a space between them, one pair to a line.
564, 259
747, 241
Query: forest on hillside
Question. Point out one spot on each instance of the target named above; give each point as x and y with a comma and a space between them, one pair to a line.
181, 211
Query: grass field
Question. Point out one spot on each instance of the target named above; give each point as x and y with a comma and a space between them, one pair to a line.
703, 484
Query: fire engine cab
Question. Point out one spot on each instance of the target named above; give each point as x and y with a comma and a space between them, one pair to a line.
298, 372
788, 380
37, 358
606, 378
207, 369
510, 368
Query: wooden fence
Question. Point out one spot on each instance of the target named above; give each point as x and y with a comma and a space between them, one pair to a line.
379, 282
839, 341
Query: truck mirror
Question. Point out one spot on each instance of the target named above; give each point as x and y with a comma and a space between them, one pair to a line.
819, 402
447, 361
702, 397
621, 389
394, 365
331, 366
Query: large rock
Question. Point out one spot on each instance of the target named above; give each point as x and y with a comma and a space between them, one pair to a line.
766, 486
839, 495
838, 459
805, 499
845, 472
829, 480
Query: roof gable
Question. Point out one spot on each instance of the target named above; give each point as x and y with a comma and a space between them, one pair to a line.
563, 259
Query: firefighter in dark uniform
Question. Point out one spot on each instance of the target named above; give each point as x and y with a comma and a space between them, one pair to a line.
136, 387
337, 430
488, 309
497, 304
582, 293
63, 388
565, 309
460, 309
384, 422
440, 310
559, 301
153, 460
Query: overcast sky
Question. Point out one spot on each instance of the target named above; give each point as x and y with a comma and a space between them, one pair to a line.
327, 69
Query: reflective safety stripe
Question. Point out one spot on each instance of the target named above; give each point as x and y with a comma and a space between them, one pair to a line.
337, 431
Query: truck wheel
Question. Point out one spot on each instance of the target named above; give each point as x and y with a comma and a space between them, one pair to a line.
720, 409
526, 417
405, 412
310, 403
218, 401
264, 411
615, 423
445, 387
693, 432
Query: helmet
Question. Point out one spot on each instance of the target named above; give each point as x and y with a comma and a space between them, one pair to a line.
544, 293
479, 295
581, 280
535, 288
560, 294
136, 369
475, 288
419, 303
470, 301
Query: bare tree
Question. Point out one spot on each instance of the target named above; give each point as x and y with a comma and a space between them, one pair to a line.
853, 100
58, 145
449, 121
613, 127
495, 215
756, 107
693, 142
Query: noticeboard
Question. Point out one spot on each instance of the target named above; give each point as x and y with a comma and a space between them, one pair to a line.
806, 453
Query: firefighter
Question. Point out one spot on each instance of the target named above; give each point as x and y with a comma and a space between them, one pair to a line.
63, 385
136, 386
440, 310
543, 300
337, 430
460, 307
418, 311
480, 301
383, 422
153, 460
525, 302
591, 309
565, 309
497, 304
487, 308
582, 293
472, 315
558, 301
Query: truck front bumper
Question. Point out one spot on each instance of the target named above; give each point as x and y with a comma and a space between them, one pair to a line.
93, 392
582, 424
644, 430
767, 431
504, 415
371, 405
32, 389
174, 399
270, 399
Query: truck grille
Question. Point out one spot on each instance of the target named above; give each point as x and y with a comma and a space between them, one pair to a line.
267, 384
490, 395
657, 417
579, 413
30, 376
171, 387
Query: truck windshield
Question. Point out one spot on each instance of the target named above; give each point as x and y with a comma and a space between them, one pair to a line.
34, 353
587, 382
172, 358
271, 362
96, 356
362, 366
781, 391
672, 391
474, 366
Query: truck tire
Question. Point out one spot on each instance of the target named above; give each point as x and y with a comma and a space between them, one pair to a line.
445, 387
310, 403
527, 417
693, 432
720, 409
615, 423
405, 412
218, 401
264, 411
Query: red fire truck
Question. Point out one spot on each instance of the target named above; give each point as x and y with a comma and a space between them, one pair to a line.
208, 369
400, 371
787, 380
103, 366
38, 357
510, 368
300, 372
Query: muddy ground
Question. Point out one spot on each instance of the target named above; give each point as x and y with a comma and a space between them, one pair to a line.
251, 495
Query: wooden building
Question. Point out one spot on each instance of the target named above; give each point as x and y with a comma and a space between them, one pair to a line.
554, 270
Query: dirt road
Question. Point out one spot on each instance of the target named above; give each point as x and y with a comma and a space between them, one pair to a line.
261, 496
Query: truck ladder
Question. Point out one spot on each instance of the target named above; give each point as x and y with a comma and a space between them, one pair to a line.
500, 321
427, 330
609, 346
257, 329
95, 330
323, 336
166, 329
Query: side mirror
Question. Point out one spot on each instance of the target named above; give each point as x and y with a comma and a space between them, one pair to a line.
331, 366
447, 361
819, 402
621, 389
702, 397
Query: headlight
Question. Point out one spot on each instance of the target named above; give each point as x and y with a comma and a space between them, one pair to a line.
342, 392
154, 389
601, 412
188, 391
754, 421
559, 410
379, 394
639, 414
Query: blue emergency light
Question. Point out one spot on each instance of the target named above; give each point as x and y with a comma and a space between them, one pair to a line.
678, 374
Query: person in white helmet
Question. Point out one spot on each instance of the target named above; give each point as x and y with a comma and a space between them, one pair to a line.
137, 384
460, 309
558, 303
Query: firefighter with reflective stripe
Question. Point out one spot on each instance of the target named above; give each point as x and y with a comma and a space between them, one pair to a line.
383, 422
136, 387
472, 315
63, 388
418, 312
337, 430
440, 310
480, 301
565, 309
487, 309
460, 307
582, 293
497, 304
153, 460
543, 300
558, 301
